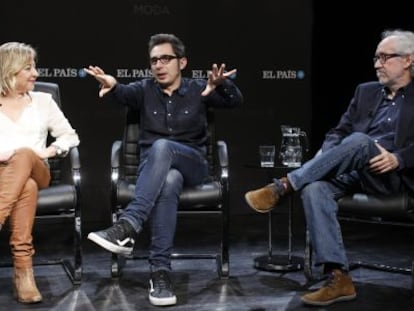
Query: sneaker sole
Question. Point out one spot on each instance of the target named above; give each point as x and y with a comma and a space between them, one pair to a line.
110, 246
328, 302
162, 301
249, 202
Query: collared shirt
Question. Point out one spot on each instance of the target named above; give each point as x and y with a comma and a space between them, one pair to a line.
181, 117
383, 126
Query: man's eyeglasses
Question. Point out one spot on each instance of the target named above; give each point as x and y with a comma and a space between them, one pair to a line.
383, 57
164, 59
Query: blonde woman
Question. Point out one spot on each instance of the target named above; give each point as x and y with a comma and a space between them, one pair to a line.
26, 118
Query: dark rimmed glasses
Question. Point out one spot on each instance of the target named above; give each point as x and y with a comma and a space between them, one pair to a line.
383, 57
164, 59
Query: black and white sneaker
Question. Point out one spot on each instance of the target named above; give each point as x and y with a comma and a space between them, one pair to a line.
161, 291
118, 239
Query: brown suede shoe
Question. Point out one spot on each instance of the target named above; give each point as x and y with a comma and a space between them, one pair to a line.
262, 200
339, 287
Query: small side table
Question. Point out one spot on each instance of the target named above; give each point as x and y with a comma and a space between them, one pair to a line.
278, 263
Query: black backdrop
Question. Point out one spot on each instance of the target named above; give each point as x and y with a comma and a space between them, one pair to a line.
345, 36
298, 63
269, 42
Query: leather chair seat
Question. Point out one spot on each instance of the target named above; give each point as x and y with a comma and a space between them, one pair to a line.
198, 197
56, 200
392, 207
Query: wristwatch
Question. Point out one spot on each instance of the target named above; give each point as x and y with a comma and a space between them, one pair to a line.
59, 151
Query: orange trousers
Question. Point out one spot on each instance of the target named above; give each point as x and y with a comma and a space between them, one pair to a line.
20, 178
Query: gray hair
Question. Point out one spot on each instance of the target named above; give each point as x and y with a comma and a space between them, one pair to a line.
404, 43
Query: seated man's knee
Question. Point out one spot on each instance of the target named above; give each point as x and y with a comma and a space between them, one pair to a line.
173, 182
160, 149
160, 145
358, 138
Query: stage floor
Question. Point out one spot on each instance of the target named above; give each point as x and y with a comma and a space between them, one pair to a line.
197, 284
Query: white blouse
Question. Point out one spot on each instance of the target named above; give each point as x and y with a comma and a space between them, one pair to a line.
40, 117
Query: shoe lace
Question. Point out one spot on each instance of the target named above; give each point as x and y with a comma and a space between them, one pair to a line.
121, 232
331, 281
161, 280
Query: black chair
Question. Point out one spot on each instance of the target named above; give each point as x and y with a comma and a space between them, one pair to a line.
209, 198
61, 200
394, 210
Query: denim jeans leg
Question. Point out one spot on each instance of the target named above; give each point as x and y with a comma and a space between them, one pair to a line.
353, 153
164, 163
155, 164
163, 222
320, 208
329, 176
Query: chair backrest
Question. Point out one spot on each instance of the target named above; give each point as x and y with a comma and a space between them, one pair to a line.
130, 147
56, 162
61, 200
51, 88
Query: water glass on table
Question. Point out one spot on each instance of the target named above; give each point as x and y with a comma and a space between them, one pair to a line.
267, 155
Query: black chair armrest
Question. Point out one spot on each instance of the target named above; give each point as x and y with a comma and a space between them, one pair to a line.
222, 154
74, 158
115, 154
115, 161
75, 165
223, 160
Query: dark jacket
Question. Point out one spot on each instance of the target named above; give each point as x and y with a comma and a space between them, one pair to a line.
360, 113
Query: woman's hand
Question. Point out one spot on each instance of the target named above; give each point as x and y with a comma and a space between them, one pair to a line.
49, 152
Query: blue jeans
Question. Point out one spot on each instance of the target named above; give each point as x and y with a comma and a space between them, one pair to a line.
327, 177
165, 168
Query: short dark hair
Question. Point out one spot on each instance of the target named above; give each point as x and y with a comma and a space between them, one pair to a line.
161, 38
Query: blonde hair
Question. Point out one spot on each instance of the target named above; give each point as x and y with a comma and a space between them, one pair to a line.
14, 56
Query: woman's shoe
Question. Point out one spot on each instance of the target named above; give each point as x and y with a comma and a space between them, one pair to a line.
24, 285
